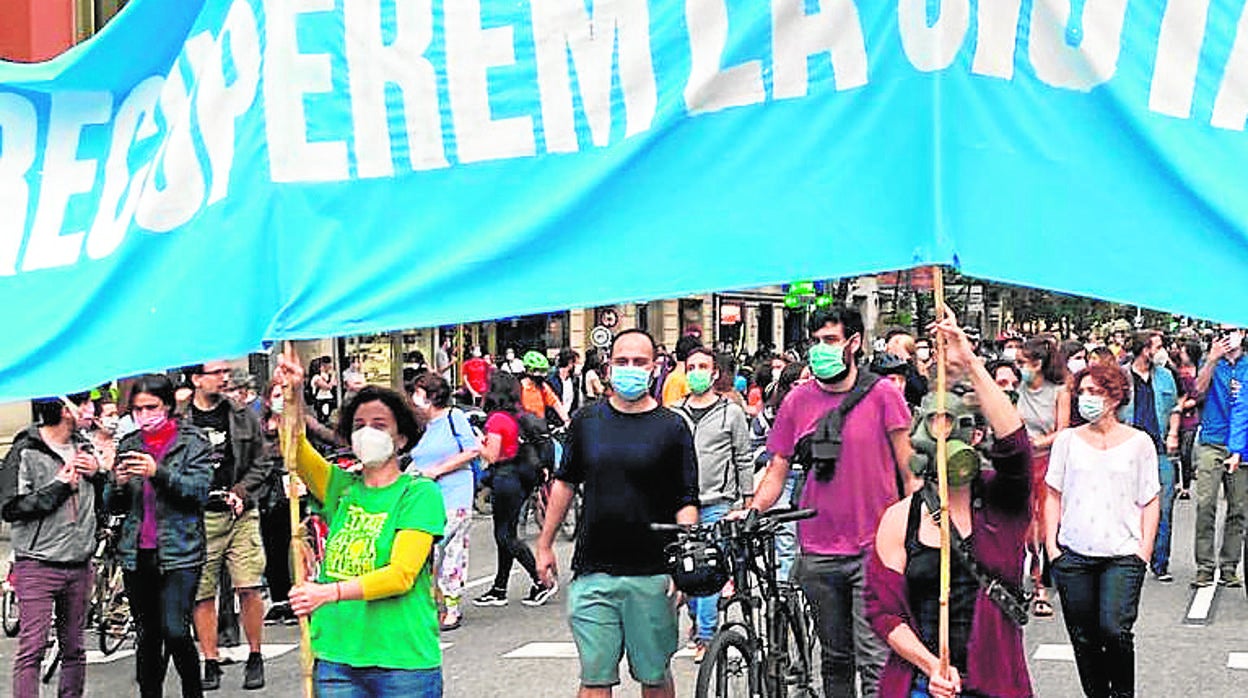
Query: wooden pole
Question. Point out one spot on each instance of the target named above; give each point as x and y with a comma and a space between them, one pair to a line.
942, 472
291, 428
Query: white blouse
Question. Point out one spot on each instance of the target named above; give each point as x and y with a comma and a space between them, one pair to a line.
1103, 492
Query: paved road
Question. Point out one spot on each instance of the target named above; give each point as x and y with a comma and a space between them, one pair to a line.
520, 651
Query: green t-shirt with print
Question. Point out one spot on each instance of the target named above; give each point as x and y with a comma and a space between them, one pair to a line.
400, 632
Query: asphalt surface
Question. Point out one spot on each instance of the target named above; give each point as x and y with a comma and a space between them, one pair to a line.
1175, 656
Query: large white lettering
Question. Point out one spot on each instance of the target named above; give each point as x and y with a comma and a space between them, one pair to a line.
995, 38
64, 175
933, 47
218, 106
168, 205
18, 129
565, 26
796, 36
288, 76
1178, 57
135, 121
711, 88
1230, 107
470, 52
1076, 65
402, 63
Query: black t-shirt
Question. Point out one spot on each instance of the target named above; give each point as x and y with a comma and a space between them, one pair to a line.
636, 469
216, 424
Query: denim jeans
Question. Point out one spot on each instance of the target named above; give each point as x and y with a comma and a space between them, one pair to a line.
786, 534
161, 603
705, 609
334, 680
847, 644
40, 587
1100, 600
1161, 549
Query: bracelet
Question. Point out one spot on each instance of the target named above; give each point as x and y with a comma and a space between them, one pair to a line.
337, 592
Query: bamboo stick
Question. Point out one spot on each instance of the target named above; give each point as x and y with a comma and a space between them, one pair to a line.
291, 428
942, 472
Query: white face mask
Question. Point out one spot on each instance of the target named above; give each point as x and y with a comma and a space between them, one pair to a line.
1076, 365
1235, 339
372, 446
1161, 358
420, 402
278, 404
1009, 353
109, 424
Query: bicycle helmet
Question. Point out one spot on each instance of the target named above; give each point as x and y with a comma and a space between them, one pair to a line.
697, 566
535, 362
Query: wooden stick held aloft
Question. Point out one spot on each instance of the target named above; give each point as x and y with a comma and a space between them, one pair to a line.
290, 430
942, 473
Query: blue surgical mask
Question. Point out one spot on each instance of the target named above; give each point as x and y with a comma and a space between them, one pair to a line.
1091, 407
630, 382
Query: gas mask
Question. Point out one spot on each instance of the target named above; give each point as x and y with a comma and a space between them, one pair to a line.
963, 460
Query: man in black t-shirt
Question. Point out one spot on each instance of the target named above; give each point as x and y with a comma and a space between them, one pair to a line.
231, 518
636, 463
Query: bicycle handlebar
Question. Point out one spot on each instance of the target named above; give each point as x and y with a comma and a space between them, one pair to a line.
774, 516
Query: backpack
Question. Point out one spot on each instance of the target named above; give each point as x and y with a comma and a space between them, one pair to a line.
821, 449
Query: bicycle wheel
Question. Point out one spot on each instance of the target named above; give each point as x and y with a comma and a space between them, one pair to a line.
573, 518
728, 669
9, 613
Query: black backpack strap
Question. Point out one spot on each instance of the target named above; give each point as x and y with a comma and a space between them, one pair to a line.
825, 440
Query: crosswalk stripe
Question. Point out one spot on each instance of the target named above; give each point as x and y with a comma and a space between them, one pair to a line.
1055, 653
1237, 660
98, 657
1201, 605
543, 650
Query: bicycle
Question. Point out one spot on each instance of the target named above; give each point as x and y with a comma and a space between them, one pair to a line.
8, 605
764, 645
537, 503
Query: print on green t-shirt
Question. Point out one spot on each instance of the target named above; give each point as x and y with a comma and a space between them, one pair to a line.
363, 522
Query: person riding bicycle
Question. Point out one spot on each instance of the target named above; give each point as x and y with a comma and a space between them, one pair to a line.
989, 511
540, 401
48, 488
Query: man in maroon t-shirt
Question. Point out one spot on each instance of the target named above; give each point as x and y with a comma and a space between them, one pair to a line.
874, 461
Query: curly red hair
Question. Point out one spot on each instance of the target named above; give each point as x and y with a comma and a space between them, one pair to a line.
1110, 378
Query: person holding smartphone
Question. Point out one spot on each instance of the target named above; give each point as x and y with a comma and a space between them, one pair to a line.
161, 482
47, 492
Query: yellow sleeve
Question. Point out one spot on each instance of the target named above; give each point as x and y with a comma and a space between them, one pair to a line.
675, 388
313, 468
411, 549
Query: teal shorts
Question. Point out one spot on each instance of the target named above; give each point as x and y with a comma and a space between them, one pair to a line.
616, 616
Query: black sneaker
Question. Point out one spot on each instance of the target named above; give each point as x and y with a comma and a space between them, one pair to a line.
212, 674
493, 597
253, 675
539, 594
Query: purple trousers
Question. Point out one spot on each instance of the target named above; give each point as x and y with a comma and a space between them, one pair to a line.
41, 588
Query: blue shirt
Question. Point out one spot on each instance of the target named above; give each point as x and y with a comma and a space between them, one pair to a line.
1223, 391
439, 443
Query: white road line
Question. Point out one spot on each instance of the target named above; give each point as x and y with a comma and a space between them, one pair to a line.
1054, 653
239, 654
98, 657
488, 579
1202, 603
543, 650
1237, 660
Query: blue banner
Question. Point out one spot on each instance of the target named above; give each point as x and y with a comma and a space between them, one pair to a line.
203, 176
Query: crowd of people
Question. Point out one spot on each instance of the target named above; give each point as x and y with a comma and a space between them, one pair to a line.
1089, 443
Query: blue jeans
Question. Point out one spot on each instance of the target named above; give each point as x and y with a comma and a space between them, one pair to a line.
705, 609
847, 644
786, 534
334, 680
1161, 548
1100, 601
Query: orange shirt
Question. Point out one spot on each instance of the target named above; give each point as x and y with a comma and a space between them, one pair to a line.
536, 401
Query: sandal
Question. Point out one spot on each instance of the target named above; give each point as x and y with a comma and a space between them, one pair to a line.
1041, 608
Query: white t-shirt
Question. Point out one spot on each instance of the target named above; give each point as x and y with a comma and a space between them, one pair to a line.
1103, 492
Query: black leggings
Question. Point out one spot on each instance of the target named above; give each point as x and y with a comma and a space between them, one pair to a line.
507, 498
275, 532
161, 603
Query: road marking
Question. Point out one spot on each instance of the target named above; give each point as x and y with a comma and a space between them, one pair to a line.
1055, 653
1202, 604
489, 579
1237, 660
98, 657
446, 645
543, 650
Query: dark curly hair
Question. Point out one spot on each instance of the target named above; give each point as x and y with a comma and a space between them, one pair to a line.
503, 395
404, 419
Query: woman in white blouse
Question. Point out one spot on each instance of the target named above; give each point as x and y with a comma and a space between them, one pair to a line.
1101, 517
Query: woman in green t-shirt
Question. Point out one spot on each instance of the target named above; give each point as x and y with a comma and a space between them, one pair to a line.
376, 579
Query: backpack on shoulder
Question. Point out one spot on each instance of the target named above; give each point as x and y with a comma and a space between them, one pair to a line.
820, 450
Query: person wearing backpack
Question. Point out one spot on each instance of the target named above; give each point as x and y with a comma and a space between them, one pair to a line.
721, 438
513, 474
445, 454
850, 430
